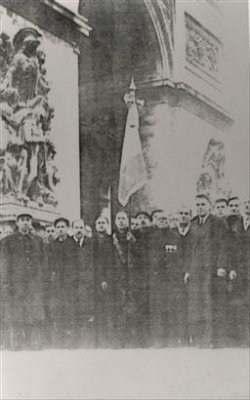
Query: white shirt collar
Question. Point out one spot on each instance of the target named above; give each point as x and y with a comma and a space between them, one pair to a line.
203, 219
246, 222
79, 242
183, 230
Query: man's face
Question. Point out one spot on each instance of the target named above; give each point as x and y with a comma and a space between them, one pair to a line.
203, 207
234, 207
101, 225
121, 221
220, 209
155, 217
184, 216
24, 224
88, 232
134, 224
50, 233
143, 220
78, 229
173, 221
246, 208
61, 229
161, 220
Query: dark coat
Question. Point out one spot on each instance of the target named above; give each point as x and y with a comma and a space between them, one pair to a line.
239, 287
124, 310
85, 280
177, 290
84, 293
23, 271
157, 285
206, 254
174, 260
139, 286
176, 251
63, 282
123, 264
240, 256
157, 270
243, 262
104, 298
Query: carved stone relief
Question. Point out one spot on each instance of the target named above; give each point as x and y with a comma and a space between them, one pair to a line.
212, 180
27, 166
202, 48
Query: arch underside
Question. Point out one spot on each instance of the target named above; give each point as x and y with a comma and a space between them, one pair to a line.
131, 38
128, 38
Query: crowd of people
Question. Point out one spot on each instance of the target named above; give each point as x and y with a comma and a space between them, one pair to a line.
154, 282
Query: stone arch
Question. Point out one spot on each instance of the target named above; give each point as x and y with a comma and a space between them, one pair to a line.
162, 13
128, 39
135, 36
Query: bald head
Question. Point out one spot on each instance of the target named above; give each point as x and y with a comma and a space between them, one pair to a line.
78, 228
121, 221
184, 215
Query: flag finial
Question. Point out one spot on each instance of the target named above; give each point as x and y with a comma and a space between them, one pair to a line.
130, 98
132, 84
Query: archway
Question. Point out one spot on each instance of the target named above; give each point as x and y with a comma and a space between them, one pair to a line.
129, 38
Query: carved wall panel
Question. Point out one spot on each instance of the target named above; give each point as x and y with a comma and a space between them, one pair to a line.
203, 49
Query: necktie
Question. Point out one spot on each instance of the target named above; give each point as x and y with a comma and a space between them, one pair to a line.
246, 224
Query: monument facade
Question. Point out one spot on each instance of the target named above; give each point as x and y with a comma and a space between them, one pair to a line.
180, 60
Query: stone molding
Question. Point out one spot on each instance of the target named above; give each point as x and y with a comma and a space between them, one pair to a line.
162, 15
52, 17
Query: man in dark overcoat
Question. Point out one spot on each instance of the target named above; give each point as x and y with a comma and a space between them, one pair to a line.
204, 264
140, 284
63, 286
157, 279
104, 283
23, 270
176, 250
221, 283
240, 276
124, 313
85, 286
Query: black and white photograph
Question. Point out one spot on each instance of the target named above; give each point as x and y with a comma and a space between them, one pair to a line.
124, 199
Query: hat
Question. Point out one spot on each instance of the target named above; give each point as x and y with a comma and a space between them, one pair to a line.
143, 213
233, 198
24, 214
24, 35
220, 200
203, 196
62, 219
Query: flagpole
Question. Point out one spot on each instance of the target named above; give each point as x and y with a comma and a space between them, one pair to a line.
130, 211
132, 174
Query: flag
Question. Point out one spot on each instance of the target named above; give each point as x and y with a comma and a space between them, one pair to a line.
132, 170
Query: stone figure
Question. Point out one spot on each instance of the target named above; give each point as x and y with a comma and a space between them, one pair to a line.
29, 171
212, 180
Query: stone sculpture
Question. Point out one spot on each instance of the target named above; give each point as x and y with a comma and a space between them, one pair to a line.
28, 170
